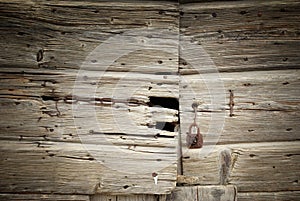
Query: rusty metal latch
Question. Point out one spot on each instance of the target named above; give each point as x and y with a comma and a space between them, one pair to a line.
194, 138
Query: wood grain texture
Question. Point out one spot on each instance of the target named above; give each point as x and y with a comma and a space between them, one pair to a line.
48, 70
282, 196
244, 35
265, 106
254, 166
205, 193
43, 197
54, 167
254, 49
128, 198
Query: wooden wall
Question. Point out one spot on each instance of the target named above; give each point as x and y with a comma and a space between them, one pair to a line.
112, 143
254, 48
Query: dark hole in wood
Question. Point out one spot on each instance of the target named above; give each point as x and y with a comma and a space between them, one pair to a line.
167, 126
165, 102
126, 186
243, 12
214, 14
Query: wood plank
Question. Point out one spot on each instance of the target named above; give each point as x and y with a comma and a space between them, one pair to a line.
128, 198
49, 47
272, 166
245, 35
69, 168
43, 197
265, 106
276, 196
263, 90
67, 32
205, 193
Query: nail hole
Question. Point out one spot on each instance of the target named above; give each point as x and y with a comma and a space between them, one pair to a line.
252, 155
214, 14
250, 130
181, 13
246, 59
285, 59
289, 129
159, 61
126, 186
285, 83
161, 12
282, 10
243, 12
39, 55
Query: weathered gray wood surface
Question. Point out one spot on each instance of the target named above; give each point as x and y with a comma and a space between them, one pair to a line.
205, 193
45, 44
128, 198
272, 166
254, 46
43, 197
282, 196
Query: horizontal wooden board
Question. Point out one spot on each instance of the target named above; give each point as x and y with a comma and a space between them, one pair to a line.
43, 197
266, 105
205, 193
128, 197
72, 168
66, 32
51, 120
276, 196
263, 90
272, 166
244, 35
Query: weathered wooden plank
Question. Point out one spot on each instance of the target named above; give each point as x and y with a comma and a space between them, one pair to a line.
73, 168
43, 197
106, 85
50, 120
245, 35
266, 105
67, 32
272, 166
205, 193
263, 90
276, 196
128, 198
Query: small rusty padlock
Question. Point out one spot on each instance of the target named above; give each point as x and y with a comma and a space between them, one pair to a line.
194, 139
